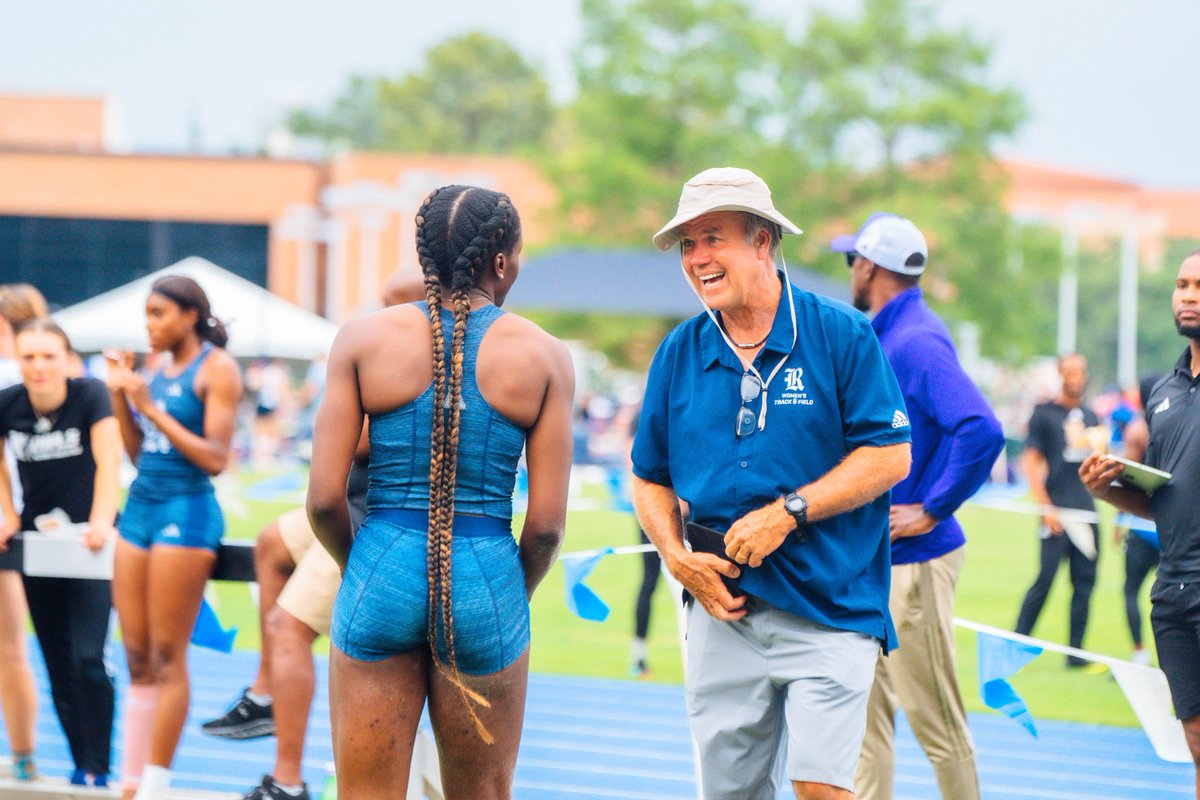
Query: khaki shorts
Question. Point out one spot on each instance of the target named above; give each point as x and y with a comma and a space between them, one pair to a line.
309, 593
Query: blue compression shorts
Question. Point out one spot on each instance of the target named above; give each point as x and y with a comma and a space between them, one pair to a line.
188, 520
382, 608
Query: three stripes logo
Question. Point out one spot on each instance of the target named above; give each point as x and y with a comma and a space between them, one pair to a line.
899, 419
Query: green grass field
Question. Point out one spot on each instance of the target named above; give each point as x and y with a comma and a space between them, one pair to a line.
1001, 562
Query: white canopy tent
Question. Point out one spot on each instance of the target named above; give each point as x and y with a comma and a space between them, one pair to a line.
259, 323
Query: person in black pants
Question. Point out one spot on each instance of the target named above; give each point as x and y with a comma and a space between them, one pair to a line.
67, 446
1058, 443
651, 567
1173, 418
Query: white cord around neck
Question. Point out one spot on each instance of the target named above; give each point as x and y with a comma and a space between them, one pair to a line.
787, 289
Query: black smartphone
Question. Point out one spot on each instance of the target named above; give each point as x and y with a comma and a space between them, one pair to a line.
707, 540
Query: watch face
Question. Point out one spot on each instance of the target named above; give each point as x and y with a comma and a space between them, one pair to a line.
795, 504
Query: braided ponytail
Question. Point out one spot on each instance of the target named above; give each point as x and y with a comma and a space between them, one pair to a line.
497, 233
433, 302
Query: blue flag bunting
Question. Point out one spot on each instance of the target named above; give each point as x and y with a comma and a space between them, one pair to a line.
581, 599
999, 659
208, 631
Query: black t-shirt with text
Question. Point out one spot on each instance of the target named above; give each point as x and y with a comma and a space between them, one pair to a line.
1058, 434
54, 451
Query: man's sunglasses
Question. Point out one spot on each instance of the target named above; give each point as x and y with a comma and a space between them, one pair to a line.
747, 420
851, 257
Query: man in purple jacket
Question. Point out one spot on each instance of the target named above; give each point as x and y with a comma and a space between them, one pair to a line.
955, 440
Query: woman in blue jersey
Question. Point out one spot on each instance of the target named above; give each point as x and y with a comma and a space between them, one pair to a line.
177, 429
433, 606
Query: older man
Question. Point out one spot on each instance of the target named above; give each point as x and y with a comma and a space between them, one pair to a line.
777, 418
956, 439
1173, 415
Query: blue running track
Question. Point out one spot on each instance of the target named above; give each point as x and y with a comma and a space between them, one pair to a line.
591, 739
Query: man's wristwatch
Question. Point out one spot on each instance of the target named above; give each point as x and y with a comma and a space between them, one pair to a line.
797, 506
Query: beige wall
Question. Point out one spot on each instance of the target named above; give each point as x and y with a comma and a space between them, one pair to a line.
250, 191
57, 123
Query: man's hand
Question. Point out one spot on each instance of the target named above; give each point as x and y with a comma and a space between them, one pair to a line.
1098, 473
9, 527
1053, 524
758, 534
700, 575
910, 519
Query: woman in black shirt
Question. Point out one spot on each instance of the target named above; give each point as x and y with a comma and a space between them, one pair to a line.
67, 447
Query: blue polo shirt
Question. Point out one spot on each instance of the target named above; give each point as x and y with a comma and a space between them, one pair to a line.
955, 435
835, 393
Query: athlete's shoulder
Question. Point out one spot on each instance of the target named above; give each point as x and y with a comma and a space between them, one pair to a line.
529, 338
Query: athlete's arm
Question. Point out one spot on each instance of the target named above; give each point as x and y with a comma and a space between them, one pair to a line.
219, 382
1037, 469
336, 433
118, 376
106, 490
548, 446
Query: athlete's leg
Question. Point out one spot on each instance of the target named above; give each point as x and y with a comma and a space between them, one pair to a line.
292, 680
375, 707
472, 768
129, 598
175, 589
273, 565
18, 696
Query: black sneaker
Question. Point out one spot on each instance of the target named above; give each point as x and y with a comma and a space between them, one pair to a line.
245, 719
269, 790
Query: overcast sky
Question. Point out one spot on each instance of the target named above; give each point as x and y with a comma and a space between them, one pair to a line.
1108, 82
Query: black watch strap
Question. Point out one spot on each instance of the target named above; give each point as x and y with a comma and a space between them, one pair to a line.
797, 506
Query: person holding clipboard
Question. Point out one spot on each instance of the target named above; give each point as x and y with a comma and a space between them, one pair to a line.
1173, 462
68, 451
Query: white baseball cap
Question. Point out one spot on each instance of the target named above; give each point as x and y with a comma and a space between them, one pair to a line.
892, 242
722, 189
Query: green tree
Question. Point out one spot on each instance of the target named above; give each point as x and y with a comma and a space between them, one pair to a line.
473, 94
1158, 342
352, 120
666, 89
898, 113
881, 109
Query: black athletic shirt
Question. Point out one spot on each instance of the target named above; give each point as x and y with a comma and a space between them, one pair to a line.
1057, 433
1174, 418
54, 452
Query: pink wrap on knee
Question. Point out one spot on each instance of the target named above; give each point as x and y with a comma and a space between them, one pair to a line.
139, 718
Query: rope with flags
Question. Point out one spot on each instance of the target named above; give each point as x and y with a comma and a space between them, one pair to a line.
1001, 655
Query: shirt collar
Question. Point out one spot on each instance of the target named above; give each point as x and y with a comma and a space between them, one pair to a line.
779, 339
1183, 365
894, 309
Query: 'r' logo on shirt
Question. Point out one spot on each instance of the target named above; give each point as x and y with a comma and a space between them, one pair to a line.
792, 378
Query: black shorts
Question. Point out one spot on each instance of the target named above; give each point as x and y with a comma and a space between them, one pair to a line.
1175, 617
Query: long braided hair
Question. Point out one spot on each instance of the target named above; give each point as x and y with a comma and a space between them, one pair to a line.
460, 229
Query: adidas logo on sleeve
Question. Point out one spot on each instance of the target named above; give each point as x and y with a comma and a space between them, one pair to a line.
899, 419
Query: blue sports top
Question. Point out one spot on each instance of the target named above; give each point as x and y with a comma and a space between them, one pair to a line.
162, 470
955, 436
834, 394
489, 445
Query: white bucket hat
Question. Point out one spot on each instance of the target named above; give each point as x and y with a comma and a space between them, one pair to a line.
722, 189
